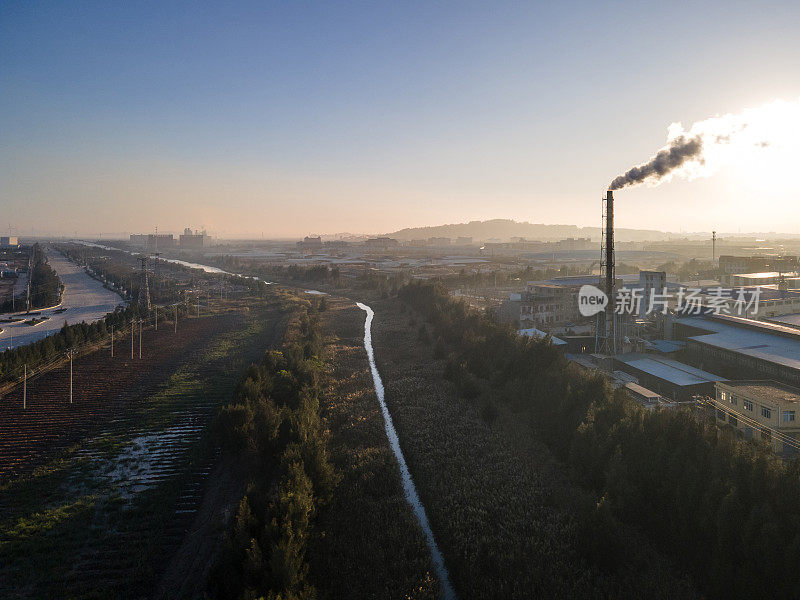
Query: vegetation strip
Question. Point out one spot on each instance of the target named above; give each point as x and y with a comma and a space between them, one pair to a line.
408, 483
274, 425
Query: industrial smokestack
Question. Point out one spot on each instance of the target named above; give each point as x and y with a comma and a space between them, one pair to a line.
610, 246
609, 324
713, 247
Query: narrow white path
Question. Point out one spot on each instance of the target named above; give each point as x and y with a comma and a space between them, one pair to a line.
408, 484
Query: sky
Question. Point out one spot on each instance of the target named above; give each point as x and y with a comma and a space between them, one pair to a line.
282, 119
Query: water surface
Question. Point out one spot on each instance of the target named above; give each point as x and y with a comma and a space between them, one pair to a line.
409, 488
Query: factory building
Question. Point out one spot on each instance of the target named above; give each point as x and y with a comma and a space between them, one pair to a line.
761, 409
741, 348
730, 265
668, 377
9, 241
773, 278
310, 244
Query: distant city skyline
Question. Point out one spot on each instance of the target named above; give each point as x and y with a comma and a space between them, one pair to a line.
289, 119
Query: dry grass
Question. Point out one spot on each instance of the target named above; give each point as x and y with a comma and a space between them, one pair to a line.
369, 544
501, 506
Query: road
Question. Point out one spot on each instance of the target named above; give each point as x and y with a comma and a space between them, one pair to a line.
84, 298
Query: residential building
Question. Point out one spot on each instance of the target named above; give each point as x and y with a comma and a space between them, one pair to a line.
192, 241
160, 241
761, 408
651, 282
547, 305
138, 239
381, 243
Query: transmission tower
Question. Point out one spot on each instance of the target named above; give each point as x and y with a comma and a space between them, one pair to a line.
144, 288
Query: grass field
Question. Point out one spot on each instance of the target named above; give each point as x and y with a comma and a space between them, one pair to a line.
368, 543
504, 510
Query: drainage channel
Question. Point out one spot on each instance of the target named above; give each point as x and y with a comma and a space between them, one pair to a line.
409, 488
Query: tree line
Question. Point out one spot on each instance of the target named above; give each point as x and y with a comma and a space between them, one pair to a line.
44, 284
69, 336
273, 426
725, 510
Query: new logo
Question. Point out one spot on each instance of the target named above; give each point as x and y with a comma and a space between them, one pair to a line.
591, 300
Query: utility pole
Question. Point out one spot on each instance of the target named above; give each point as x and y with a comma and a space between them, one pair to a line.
176, 318
25, 387
198, 304
70, 352
112, 341
133, 327
156, 313
140, 338
28, 283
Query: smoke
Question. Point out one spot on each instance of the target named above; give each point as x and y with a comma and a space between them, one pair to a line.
666, 160
718, 141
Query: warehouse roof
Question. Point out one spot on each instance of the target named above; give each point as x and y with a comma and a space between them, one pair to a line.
765, 341
667, 369
538, 334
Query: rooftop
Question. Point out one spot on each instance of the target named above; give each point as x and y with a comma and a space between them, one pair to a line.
792, 320
767, 389
642, 391
539, 334
667, 345
667, 369
765, 341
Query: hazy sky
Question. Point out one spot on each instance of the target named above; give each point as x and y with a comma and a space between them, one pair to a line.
290, 118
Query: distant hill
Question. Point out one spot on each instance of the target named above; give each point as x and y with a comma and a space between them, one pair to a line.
505, 229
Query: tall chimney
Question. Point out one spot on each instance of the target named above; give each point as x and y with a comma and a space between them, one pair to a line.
713, 247
610, 245
610, 340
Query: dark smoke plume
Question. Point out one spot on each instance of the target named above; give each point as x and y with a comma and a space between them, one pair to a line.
680, 150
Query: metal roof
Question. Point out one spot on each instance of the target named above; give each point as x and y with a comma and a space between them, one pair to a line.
667, 369
765, 341
539, 334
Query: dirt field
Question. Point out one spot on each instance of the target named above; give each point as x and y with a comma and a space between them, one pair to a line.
103, 388
110, 493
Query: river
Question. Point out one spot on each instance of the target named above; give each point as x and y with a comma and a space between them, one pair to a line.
409, 489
